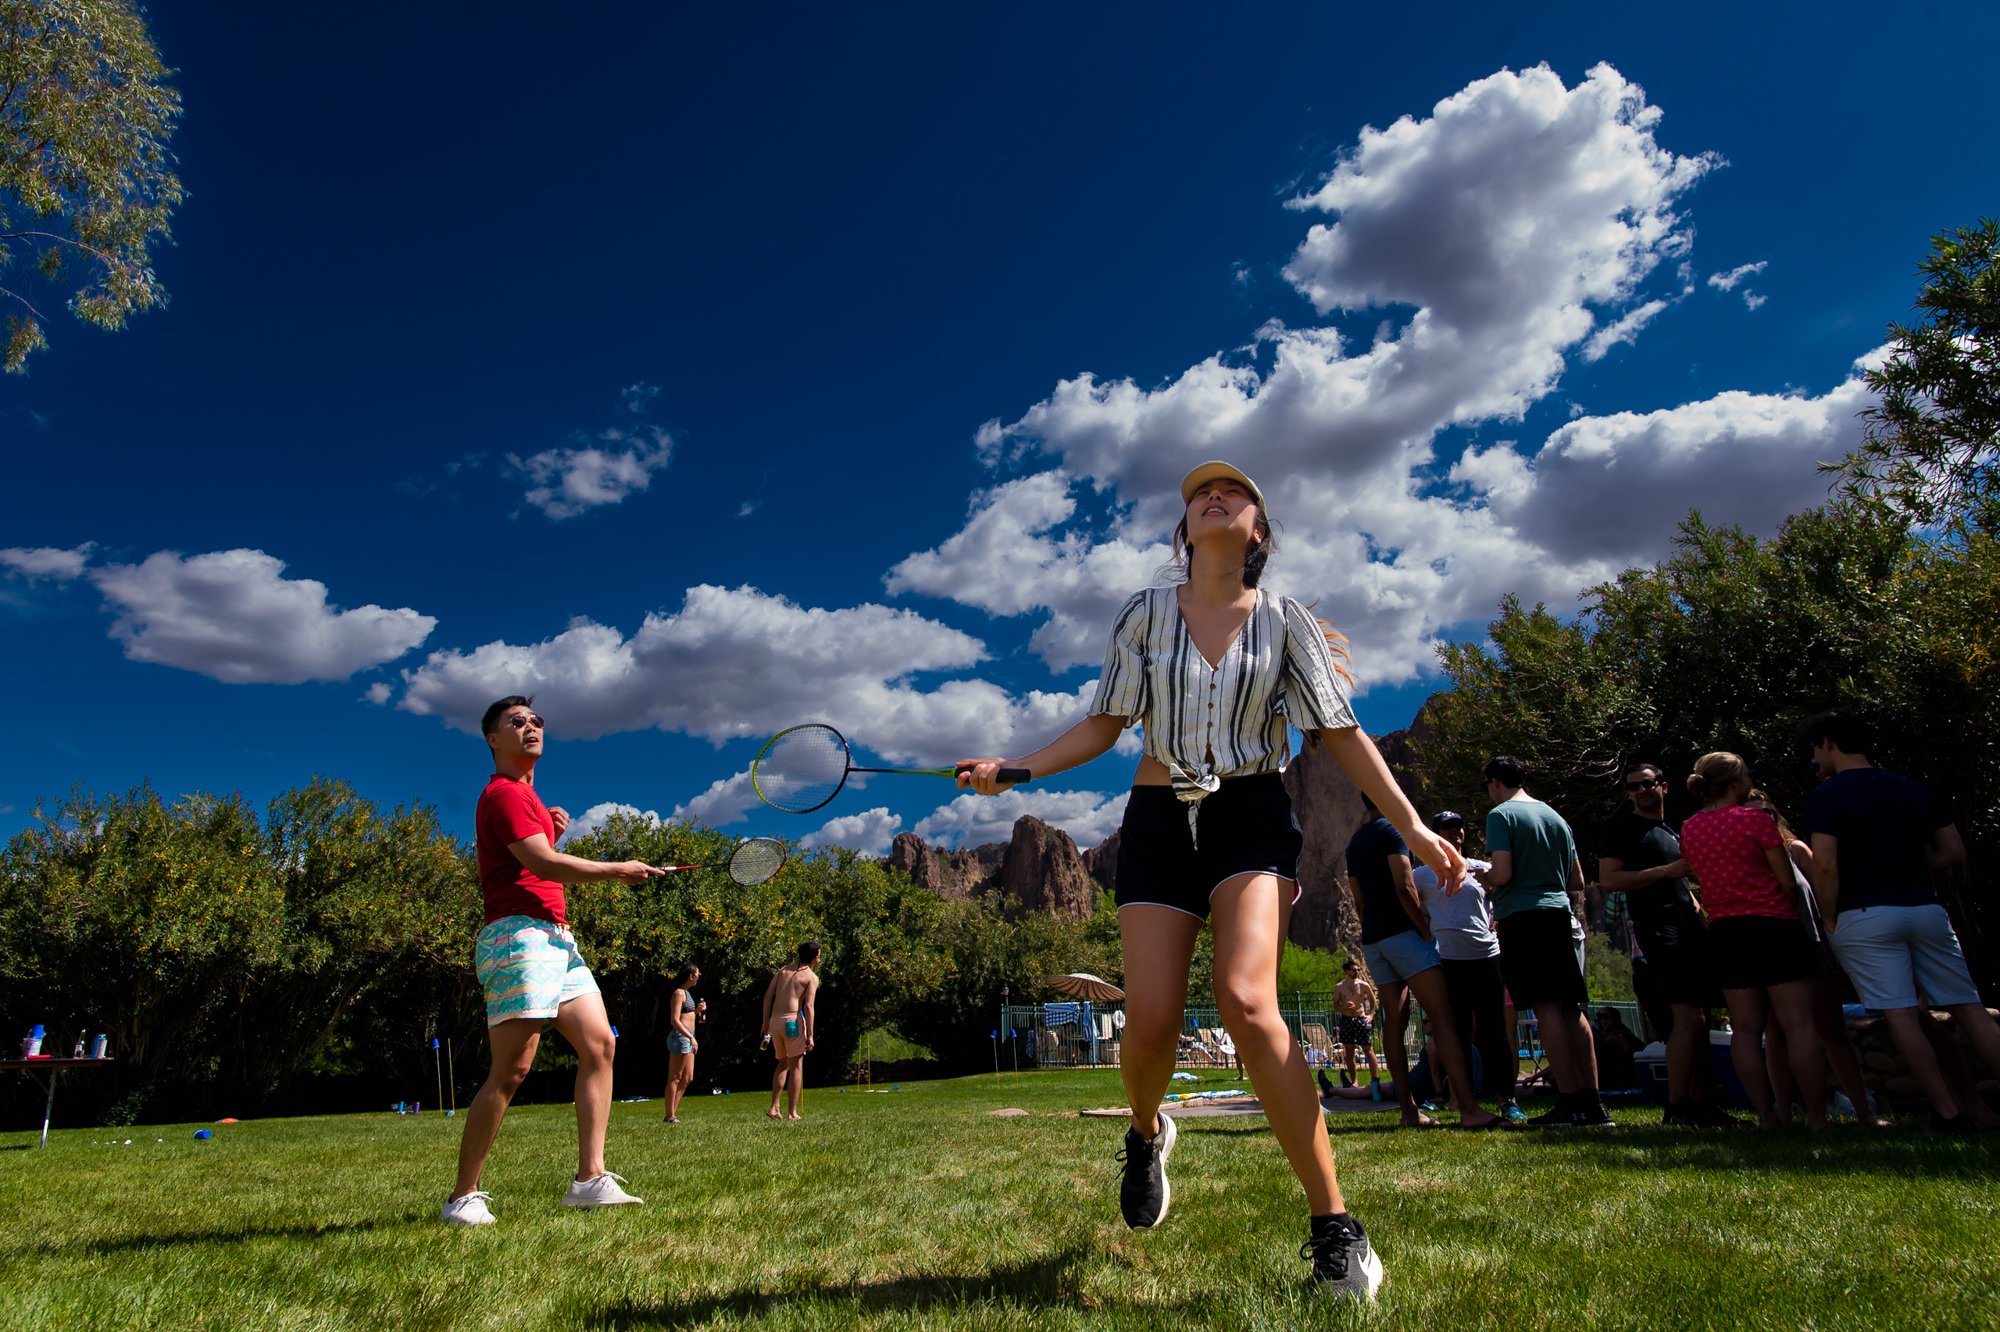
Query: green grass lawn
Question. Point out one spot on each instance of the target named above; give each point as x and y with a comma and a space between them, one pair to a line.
918, 1209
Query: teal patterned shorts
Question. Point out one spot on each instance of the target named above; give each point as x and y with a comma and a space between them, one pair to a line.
528, 968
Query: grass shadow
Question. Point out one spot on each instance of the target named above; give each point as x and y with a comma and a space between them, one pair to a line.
97, 1248
1855, 1150
1043, 1283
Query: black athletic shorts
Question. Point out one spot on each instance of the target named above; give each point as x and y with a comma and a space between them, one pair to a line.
1356, 1030
1752, 952
1682, 961
1246, 827
1538, 958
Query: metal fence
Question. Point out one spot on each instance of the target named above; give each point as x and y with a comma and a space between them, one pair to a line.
1084, 1034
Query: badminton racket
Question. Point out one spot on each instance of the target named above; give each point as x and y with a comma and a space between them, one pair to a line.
801, 769
754, 860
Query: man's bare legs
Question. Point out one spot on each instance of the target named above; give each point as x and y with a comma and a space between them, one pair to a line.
1395, 998
1430, 990
1571, 1050
513, 1046
1248, 922
790, 1076
1687, 1046
1158, 945
585, 1026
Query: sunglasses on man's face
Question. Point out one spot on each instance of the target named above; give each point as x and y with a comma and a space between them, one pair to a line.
1644, 785
520, 720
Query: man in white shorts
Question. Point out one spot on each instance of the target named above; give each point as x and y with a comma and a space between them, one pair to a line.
1877, 838
529, 967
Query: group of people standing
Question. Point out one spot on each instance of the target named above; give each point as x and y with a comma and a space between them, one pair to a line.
1732, 910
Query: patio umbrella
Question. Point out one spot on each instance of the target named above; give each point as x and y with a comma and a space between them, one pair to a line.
1084, 986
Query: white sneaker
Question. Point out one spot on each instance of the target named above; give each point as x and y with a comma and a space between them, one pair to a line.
471, 1210
600, 1192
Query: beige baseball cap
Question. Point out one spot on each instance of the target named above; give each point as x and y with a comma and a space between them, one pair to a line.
1209, 471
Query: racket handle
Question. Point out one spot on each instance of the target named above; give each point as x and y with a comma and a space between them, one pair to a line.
1013, 775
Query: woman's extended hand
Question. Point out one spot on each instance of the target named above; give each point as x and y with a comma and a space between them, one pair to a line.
982, 775
1441, 856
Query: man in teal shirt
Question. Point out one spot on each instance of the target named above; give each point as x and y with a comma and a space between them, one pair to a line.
1535, 871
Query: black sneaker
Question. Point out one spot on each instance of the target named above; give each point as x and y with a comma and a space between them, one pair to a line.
1344, 1262
1559, 1117
1143, 1194
1707, 1114
1591, 1115
1325, 1083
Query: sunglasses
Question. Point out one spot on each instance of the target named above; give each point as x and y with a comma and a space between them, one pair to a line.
1644, 785
521, 720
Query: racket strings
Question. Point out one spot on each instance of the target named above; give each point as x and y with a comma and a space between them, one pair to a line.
801, 769
756, 860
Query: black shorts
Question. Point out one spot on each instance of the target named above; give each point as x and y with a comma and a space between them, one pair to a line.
1246, 828
1538, 958
1682, 961
1355, 1030
1752, 952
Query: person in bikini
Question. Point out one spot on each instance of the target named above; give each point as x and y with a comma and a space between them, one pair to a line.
789, 1025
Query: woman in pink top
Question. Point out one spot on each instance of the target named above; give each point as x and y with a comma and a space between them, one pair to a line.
1763, 959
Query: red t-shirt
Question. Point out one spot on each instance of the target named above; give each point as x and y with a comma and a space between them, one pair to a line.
1725, 849
510, 810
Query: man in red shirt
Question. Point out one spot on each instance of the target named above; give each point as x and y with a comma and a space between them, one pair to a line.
529, 967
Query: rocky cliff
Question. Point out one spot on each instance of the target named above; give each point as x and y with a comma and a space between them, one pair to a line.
1039, 868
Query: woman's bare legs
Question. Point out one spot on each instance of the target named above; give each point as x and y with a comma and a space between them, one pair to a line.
1247, 918
1159, 944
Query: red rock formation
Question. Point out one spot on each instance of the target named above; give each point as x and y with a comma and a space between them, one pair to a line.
1043, 871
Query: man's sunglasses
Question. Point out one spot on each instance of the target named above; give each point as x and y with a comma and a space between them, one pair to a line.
523, 719
1644, 785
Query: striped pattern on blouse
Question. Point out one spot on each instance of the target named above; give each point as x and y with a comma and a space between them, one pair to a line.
1206, 723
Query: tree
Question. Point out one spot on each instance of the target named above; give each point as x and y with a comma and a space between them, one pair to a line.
86, 181
1731, 643
1932, 441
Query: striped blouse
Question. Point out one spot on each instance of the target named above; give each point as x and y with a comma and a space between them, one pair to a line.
1206, 723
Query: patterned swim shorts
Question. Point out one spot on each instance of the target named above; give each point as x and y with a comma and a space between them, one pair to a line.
528, 968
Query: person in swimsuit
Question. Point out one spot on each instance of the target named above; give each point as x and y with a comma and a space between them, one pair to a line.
1216, 671
682, 1012
529, 967
789, 1026
1354, 1000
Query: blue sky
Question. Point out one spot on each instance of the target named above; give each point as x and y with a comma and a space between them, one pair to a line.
703, 372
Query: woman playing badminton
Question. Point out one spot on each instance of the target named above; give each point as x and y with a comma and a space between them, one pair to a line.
1215, 669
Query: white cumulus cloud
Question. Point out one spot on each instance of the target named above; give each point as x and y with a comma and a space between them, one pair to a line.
737, 662
868, 832
1520, 226
600, 814
231, 615
578, 478
726, 800
973, 820
54, 563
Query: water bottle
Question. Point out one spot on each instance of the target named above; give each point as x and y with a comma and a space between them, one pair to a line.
32, 1045
77, 1051
99, 1046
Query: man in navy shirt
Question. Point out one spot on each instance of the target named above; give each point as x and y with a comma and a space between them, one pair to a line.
1877, 838
1396, 940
